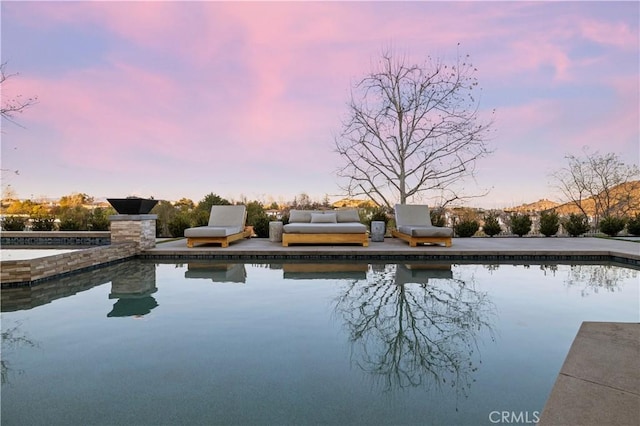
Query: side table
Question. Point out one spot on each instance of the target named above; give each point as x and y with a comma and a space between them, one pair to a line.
377, 231
275, 231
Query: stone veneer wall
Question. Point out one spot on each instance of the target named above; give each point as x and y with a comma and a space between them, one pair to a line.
139, 228
19, 272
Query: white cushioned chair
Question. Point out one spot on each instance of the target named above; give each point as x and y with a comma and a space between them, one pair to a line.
226, 224
413, 224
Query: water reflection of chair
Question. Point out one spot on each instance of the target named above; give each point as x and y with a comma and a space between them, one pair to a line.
217, 272
420, 273
310, 271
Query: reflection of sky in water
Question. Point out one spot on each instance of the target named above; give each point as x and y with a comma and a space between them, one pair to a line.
247, 346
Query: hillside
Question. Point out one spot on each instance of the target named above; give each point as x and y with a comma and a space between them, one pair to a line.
629, 192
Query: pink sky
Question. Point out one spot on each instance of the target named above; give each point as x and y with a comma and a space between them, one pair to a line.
173, 100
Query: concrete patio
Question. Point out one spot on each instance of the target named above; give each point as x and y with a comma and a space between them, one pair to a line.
599, 383
500, 249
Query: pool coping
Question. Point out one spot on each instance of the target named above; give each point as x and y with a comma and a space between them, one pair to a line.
17, 273
599, 382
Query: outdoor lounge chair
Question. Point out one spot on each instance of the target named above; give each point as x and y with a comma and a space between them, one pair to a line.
226, 224
413, 223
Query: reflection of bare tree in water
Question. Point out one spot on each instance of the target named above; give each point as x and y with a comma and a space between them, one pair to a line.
11, 338
415, 334
593, 278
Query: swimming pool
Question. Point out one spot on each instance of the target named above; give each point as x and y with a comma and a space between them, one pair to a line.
142, 343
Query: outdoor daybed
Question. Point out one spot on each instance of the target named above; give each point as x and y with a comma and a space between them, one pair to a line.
324, 227
413, 223
226, 224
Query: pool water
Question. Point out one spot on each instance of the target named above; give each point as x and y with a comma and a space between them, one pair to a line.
140, 343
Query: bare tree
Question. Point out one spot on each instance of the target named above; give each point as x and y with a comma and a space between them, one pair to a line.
413, 129
12, 106
599, 184
415, 334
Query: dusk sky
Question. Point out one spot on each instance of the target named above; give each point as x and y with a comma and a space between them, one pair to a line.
244, 99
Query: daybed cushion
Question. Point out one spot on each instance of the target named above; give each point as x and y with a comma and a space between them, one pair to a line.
323, 218
342, 216
347, 215
302, 216
426, 231
325, 228
212, 231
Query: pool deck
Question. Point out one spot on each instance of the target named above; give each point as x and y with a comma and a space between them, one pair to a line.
599, 383
464, 249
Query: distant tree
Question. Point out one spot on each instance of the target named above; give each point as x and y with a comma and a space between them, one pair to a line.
13, 105
165, 212
412, 129
549, 223
302, 201
203, 208
491, 225
22, 207
594, 177
520, 224
75, 199
185, 204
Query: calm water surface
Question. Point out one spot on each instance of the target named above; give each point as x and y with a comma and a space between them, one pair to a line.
140, 343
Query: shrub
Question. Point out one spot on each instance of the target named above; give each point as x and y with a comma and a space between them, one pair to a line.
99, 220
74, 219
70, 224
576, 224
633, 225
437, 218
13, 223
43, 223
178, 224
379, 215
549, 223
261, 226
611, 225
466, 228
491, 225
520, 224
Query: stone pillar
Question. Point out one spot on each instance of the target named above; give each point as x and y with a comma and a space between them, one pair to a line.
139, 228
